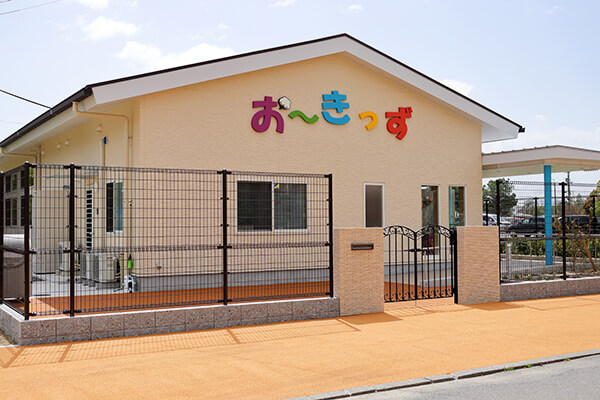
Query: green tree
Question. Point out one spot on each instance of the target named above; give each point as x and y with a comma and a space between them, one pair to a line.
508, 199
596, 201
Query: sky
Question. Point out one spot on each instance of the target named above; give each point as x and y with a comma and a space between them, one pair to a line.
535, 62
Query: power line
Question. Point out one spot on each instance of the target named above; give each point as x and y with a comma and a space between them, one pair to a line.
28, 8
23, 98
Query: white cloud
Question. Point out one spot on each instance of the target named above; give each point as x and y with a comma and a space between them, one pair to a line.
95, 4
461, 87
541, 118
152, 58
222, 26
104, 28
555, 10
282, 3
355, 8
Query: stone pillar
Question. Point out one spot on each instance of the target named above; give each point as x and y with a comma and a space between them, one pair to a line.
478, 264
358, 274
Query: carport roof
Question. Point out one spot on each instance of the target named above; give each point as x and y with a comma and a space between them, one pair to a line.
532, 160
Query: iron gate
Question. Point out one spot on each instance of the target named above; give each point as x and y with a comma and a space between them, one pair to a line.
419, 264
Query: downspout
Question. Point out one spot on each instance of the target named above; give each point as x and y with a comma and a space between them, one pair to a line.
103, 115
128, 138
3, 153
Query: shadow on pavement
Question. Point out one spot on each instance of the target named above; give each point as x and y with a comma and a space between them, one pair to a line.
20, 356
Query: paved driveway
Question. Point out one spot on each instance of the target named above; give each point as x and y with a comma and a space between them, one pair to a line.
285, 360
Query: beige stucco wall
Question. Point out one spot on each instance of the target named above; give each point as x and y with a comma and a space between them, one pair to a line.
208, 126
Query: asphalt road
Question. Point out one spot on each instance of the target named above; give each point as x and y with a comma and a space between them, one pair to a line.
575, 379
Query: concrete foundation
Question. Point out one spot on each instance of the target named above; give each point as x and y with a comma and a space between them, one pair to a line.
100, 326
544, 289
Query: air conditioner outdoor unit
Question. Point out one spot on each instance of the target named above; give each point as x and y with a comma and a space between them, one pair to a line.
63, 258
107, 276
89, 265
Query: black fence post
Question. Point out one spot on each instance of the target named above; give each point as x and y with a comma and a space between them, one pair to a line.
225, 239
594, 206
330, 206
487, 213
564, 230
415, 248
26, 250
454, 244
1, 237
72, 240
498, 183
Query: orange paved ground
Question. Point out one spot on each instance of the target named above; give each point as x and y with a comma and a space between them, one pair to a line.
297, 358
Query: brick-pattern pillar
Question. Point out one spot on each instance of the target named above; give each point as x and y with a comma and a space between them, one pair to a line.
358, 274
478, 265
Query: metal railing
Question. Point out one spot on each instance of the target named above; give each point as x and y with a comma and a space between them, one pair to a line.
90, 238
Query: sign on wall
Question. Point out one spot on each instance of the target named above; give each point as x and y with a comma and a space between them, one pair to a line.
333, 108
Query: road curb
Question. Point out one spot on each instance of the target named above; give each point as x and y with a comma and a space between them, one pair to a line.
464, 374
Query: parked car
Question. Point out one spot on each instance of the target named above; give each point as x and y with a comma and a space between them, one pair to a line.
581, 223
489, 220
492, 221
529, 226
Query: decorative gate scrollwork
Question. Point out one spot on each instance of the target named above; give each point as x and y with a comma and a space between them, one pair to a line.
419, 264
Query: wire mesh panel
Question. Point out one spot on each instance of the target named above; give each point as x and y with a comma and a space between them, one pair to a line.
547, 230
115, 238
147, 237
16, 266
278, 236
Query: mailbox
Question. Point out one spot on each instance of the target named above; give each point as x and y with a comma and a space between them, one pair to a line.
362, 246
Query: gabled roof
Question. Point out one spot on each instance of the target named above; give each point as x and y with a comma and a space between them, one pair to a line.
494, 126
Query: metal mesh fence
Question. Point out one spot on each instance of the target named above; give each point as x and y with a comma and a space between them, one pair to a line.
547, 230
115, 238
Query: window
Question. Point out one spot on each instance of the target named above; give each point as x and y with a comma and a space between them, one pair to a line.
264, 206
373, 206
456, 196
114, 207
290, 205
10, 211
11, 182
429, 205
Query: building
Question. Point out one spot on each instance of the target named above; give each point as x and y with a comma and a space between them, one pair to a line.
200, 117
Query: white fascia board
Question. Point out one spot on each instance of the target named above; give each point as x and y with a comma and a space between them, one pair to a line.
543, 154
494, 127
221, 69
49, 128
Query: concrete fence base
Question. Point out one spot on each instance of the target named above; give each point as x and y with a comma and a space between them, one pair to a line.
134, 323
544, 289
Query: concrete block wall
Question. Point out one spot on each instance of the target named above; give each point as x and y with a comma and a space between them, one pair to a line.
545, 289
134, 323
478, 264
358, 274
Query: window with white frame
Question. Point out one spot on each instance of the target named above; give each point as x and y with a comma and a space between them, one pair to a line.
114, 207
267, 206
14, 199
456, 196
